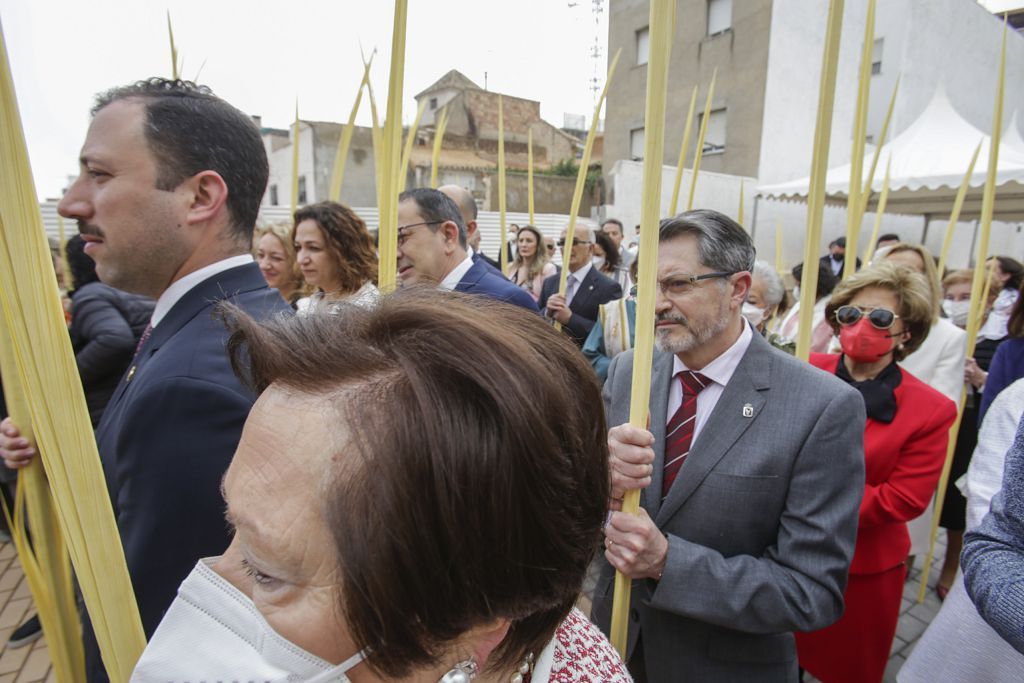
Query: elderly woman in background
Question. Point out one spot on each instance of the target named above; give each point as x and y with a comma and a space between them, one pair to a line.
762, 306
402, 446
336, 256
881, 314
274, 250
938, 362
532, 263
956, 304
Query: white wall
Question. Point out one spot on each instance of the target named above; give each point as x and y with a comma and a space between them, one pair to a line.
281, 169
716, 191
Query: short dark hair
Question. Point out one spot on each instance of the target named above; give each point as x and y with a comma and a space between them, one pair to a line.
439, 522
722, 244
838, 242
82, 267
614, 221
347, 239
827, 281
436, 206
611, 252
889, 237
190, 130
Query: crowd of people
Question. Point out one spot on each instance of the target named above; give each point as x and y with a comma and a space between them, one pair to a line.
418, 483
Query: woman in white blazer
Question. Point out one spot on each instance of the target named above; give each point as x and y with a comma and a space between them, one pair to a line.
939, 362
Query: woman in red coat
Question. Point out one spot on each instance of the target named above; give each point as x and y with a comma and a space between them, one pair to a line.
881, 314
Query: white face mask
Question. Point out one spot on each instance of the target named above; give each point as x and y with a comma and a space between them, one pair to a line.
796, 293
956, 311
213, 632
752, 313
598, 261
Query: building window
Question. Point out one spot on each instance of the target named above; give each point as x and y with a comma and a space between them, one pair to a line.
302, 189
719, 16
714, 137
273, 195
433, 103
643, 43
876, 56
636, 144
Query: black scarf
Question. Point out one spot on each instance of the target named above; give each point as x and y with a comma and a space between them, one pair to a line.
879, 393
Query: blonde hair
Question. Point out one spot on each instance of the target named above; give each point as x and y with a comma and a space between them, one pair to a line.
965, 276
913, 296
931, 274
295, 286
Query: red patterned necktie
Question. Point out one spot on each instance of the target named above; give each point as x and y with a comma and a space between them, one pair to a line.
142, 340
679, 431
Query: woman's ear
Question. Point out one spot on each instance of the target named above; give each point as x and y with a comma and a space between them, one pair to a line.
483, 640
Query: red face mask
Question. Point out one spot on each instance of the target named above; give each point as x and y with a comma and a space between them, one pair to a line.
865, 343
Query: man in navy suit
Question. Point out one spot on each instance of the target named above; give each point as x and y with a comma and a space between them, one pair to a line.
463, 199
432, 249
167, 196
585, 289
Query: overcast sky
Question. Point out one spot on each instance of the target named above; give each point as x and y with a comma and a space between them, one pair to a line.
260, 56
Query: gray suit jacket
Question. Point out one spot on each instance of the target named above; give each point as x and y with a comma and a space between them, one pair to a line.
761, 520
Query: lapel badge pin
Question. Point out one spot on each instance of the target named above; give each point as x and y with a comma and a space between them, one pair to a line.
748, 410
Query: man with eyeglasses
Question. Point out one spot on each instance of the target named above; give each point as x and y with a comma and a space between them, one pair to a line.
585, 288
432, 250
751, 475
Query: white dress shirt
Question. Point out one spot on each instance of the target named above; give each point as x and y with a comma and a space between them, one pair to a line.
719, 371
452, 279
180, 288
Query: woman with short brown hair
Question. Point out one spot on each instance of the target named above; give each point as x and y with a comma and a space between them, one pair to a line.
417, 494
881, 314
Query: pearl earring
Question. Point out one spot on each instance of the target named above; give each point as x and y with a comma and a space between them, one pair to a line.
463, 672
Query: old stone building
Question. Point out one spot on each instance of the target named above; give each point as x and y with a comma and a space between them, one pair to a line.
469, 153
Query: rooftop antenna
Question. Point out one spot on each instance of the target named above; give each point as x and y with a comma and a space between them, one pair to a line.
485, 80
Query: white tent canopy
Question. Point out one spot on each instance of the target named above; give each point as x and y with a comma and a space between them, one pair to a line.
929, 160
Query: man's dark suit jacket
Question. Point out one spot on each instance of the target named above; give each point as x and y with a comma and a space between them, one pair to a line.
480, 256
484, 280
826, 264
596, 289
167, 437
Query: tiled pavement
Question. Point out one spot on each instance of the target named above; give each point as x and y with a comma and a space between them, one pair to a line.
31, 664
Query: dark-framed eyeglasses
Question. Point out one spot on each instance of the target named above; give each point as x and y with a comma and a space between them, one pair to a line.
681, 284
550, 247
575, 242
402, 228
881, 318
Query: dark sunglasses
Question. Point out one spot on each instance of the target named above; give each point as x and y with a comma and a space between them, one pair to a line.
881, 318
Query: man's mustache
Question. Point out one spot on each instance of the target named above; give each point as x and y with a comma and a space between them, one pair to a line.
87, 230
672, 318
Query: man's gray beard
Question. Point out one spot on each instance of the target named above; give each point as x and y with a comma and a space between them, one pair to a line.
698, 335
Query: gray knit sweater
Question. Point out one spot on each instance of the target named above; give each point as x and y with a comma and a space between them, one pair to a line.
993, 557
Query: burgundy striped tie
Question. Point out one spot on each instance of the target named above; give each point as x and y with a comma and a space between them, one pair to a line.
679, 431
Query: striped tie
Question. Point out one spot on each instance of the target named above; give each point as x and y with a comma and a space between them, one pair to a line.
679, 431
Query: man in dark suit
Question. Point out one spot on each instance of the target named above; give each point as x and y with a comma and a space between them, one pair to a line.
432, 250
585, 289
836, 256
751, 478
463, 199
170, 185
